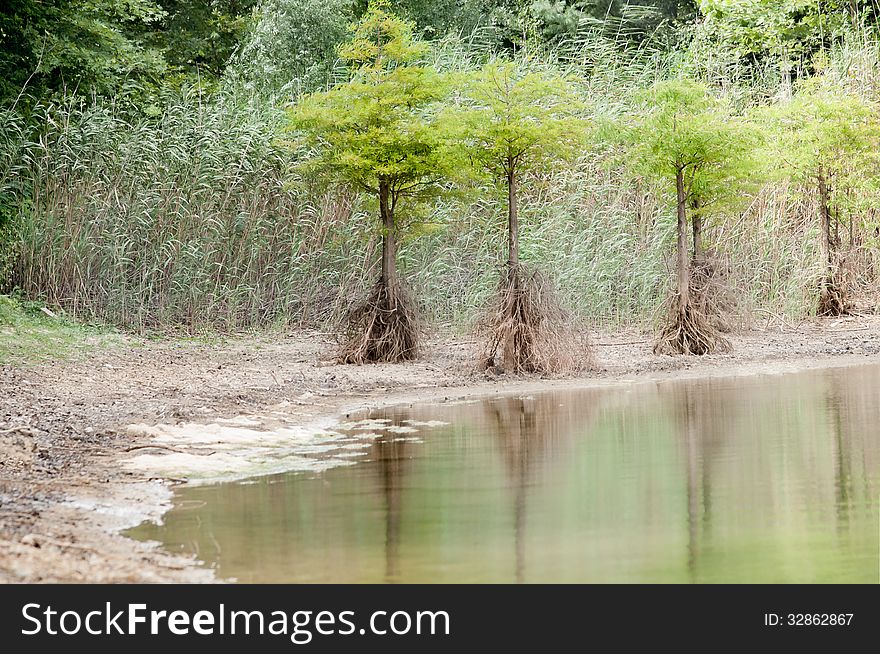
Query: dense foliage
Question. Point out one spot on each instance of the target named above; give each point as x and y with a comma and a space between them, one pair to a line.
83, 47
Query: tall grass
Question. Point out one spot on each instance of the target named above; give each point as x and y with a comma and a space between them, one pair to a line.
193, 219
187, 220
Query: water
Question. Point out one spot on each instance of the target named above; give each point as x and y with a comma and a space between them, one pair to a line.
764, 479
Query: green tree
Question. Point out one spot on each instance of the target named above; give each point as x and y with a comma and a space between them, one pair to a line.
626, 19
790, 28
292, 42
827, 138
94, 46
691, 142
380, 132
438, 17
515, 122
201, 35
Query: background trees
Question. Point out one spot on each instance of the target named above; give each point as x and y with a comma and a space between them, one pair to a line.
827, 138
793, 28
624, 21
93, 47
199, 36
292, 43
107, 47
379, 132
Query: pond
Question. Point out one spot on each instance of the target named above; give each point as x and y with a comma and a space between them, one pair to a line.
770, 479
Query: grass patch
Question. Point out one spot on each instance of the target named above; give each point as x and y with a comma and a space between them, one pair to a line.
29, 335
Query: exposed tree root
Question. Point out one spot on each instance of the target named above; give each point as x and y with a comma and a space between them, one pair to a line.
527, 331
688, 331
832, 299
711, 295
384, 328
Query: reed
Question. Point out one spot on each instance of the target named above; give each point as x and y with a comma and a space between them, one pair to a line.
192, 219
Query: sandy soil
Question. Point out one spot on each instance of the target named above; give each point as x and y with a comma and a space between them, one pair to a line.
85, 446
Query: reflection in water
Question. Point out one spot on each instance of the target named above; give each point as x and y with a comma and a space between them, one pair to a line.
767, 479
515, 426
391, 455
526, 429
842, 480
854, 408
695, 487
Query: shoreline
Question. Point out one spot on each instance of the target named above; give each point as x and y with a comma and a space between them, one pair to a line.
194, 442
76, 432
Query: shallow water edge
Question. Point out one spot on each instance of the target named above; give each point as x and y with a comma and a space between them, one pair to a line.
395, 436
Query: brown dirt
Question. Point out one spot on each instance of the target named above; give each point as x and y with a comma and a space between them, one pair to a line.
64, 494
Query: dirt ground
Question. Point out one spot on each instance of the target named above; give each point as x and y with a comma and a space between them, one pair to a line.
65, 488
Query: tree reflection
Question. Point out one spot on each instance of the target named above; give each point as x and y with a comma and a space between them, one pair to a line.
390, 453
703, 416
854, 415
516, 424
528, 432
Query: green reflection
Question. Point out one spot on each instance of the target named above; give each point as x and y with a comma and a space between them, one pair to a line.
768, 479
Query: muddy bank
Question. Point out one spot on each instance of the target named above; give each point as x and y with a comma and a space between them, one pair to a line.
87, 446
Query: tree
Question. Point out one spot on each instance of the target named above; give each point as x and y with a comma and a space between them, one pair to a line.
827, 138
292, 41
693, 144
380, 132
93, 47
438, 17
515, 122
201, 35
790, 28
618, 19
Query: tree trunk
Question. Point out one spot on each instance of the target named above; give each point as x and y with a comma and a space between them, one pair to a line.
825, 244
512, 221
683, 263
389, 236
835, 243
698, 233
512, 346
